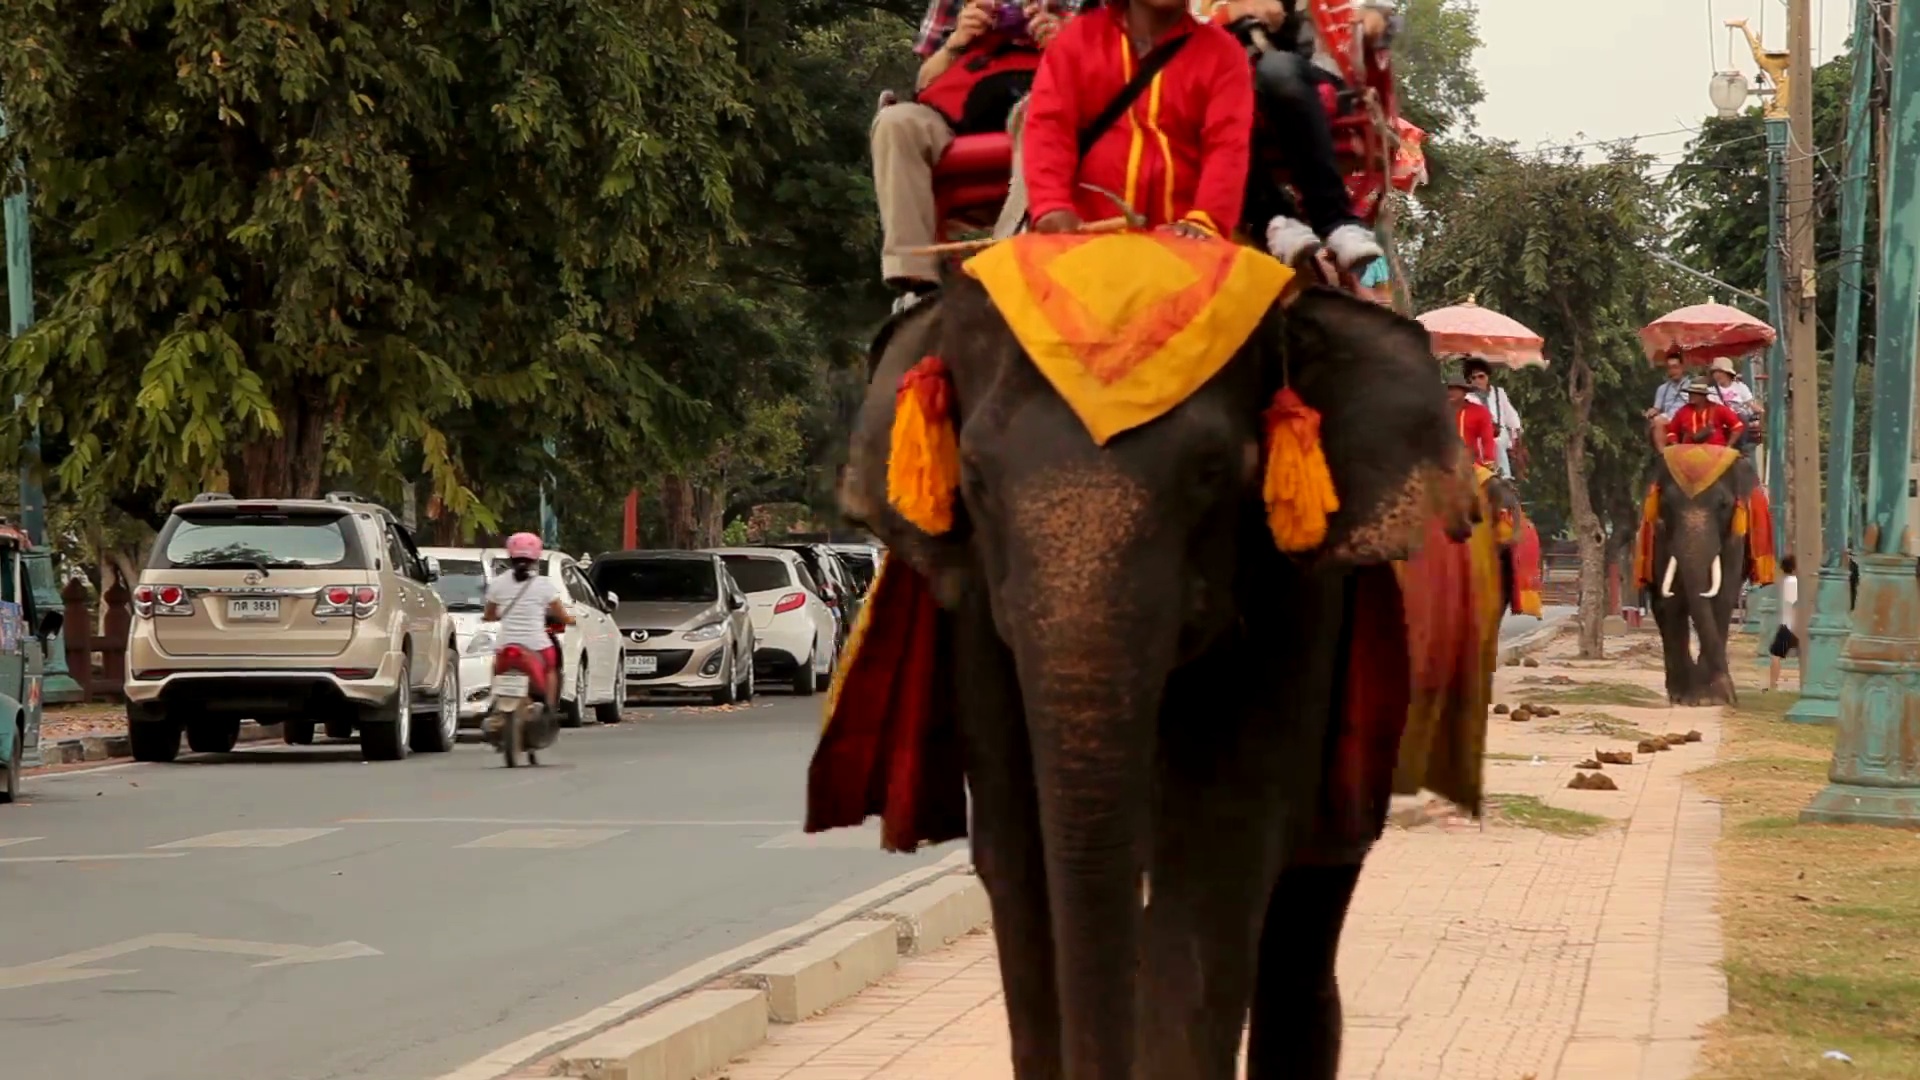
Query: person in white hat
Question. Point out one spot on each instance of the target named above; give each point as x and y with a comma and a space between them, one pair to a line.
1733, 393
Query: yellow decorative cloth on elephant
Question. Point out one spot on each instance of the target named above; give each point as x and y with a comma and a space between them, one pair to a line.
1125, 326
1698, 466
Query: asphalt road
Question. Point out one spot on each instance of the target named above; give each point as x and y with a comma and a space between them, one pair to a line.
464, 905
1513, 627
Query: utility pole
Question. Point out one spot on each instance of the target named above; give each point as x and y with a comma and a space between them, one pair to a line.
1827, 631
1763, 612
1873, 779
1802, 279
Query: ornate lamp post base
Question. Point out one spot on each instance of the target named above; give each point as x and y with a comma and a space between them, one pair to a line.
1875, 778
1820, 654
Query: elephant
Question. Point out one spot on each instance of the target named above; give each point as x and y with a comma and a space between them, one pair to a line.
1145, 685
1693, 554
1519, 546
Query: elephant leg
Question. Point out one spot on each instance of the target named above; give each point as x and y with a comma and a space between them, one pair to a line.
1006, 838
1239, 775
1295, 1028
1219, 836
1677, 651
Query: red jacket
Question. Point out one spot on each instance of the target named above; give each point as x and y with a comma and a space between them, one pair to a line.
1180, 153
1475, 425
1721, 424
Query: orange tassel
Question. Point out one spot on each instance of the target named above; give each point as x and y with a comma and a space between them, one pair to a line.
1299, 488
923, 465
1740, 520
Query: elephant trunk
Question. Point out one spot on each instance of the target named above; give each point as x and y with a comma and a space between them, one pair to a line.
1090, 611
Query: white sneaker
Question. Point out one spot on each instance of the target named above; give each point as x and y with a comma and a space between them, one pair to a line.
1353, 247
1291, 241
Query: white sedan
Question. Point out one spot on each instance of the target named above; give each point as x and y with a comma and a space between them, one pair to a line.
591, 651
462, 586
796, 638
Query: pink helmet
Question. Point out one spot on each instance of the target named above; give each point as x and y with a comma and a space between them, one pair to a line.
523, 545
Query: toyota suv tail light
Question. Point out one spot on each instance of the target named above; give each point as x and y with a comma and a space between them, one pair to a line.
360, 601
152, 600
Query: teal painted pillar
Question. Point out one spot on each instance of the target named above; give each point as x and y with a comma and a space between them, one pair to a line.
1765, 604
1875, 775
1820, 653
59, 685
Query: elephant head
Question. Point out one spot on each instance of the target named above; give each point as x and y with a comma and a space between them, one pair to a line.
1103, 569
1698, 560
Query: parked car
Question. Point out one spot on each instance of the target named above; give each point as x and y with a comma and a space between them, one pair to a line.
26, 630
862, 562
295, 611
591, 652
462, 586
835, 586
685, 622
796, 633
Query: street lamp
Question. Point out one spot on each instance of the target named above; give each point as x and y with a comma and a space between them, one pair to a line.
1729, 91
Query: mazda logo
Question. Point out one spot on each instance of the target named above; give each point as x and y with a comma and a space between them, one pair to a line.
252, 578
637, 635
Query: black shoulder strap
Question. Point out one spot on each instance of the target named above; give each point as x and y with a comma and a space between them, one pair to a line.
1150, 66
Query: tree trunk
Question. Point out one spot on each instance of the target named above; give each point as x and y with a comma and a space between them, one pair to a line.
710, 511
1586, 523
292, 465
676, 505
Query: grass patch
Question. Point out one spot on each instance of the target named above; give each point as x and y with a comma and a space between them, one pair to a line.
1528, 812
1624, 695
1821, 923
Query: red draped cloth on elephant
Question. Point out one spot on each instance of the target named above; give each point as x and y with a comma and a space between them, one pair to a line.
1525, 554
891, 746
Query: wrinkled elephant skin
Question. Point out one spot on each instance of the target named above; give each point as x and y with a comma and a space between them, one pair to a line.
1698, 565
1144, 682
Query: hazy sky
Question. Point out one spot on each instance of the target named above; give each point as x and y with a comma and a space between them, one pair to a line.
1557, 71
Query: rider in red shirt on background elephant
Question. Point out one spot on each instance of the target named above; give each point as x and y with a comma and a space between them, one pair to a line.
1474, 423
1179, 156
1704, 420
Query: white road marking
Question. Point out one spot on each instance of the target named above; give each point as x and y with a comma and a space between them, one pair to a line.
9, 841
68, 968
551, 839
247, 838
514, 1054
93, 858
865, 837
618, 823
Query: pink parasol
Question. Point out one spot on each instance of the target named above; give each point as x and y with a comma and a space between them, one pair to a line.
1704, 333
1467, 329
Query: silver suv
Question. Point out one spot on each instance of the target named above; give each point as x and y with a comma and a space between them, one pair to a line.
301, 612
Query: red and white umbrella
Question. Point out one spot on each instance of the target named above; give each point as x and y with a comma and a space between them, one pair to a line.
1704, 333
1467, 329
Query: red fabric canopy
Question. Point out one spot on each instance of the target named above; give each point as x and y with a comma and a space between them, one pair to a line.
1470, 330
1704, 333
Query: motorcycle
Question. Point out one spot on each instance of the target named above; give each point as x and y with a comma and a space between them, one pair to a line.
518, 719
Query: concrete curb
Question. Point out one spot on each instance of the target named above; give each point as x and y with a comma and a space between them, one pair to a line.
108, 747
703, 1030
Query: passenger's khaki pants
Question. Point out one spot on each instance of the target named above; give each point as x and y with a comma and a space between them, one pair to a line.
907, 139
1016, 207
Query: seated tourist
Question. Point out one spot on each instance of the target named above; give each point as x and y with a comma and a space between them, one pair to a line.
1182, 160
979, 60
1733, 393
1296, 122
1704, 420
1473, 422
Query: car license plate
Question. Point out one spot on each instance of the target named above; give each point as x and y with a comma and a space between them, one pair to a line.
643, 665
253, 608
511, 684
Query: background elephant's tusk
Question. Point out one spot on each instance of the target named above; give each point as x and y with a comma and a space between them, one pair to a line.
1713, 582
1666, 583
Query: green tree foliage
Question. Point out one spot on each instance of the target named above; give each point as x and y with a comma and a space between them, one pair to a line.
1561, 246
290, 238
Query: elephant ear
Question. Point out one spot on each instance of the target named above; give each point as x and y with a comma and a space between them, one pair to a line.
901, 343
1390, 443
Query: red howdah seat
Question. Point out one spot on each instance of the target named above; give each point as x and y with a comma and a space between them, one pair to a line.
970, 181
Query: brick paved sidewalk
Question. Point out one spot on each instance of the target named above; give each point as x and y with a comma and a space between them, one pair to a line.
1472, 953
